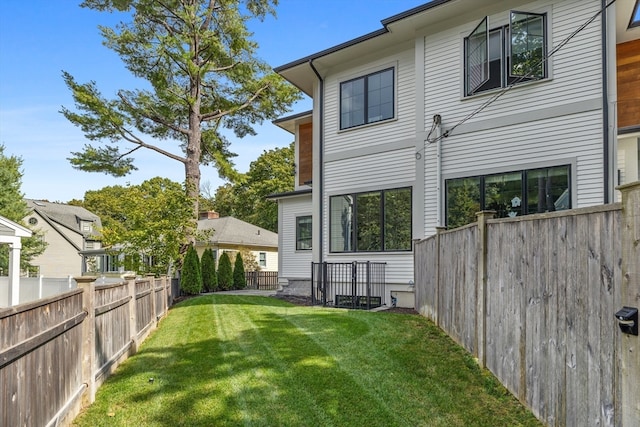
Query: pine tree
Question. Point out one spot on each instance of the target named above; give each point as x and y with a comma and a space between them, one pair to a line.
225, 273
191, 279
209, 276
239, 279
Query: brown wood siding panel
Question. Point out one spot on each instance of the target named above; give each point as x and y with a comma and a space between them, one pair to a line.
628, 76
305, 150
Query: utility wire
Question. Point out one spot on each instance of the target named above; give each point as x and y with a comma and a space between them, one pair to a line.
499, 94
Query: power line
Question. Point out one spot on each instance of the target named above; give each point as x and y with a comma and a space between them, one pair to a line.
528, 74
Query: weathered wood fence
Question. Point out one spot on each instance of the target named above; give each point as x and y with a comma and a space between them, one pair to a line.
534, 299
55, 352
264, 280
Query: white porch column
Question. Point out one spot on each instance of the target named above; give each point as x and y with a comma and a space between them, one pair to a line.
14, 271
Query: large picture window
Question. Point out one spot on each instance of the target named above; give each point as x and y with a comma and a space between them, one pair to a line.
509, 194
506, 55
303, 233
371, 222
367, 99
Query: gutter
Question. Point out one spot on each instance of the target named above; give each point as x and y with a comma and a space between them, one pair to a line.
320, 159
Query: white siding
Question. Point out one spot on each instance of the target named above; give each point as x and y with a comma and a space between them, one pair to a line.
365, 137
294, 264
555, 121
60, 258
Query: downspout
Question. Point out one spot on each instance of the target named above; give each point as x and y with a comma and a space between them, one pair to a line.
605, 101
437, 123
320, 160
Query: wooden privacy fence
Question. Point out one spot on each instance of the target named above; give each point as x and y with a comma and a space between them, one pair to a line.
55, 352
265, 280
535, 297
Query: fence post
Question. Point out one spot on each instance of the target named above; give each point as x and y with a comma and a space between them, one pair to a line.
88, 350
152, 283
133, 323
40, 280
629, 350
436, 293
481, 286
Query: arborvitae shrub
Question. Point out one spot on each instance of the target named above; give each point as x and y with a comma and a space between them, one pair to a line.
225, 273
191, 278
239, 279
209, 276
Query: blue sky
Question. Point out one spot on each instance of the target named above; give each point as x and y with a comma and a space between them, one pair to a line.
40, 38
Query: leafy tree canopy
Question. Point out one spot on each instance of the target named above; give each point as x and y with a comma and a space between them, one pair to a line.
203, 76
147, 220
14, 208
273, 172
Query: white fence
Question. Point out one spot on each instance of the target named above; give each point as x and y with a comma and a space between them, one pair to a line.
34, 288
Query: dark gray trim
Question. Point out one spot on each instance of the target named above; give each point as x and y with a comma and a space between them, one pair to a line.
320, 159
288, 194
374, 34
629, 129
292, 117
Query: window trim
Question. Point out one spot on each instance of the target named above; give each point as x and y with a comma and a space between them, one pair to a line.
354, 227
523, 177
393, 69
298, 239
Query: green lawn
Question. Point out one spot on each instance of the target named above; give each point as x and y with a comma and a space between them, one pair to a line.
229, 360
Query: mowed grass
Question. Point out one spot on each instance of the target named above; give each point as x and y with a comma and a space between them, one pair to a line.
229, 360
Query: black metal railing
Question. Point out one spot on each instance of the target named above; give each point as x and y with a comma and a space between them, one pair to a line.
358, 285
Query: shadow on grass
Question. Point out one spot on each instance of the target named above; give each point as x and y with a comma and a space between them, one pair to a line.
235, 360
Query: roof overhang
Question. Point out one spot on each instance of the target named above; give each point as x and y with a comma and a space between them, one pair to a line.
289, 123
290, 194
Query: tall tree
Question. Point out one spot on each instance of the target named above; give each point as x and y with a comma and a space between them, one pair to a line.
145, 220
199, 60
272, 172
13, 207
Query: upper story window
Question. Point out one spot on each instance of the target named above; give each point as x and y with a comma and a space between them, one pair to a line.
367, 99
635, 16
506, 55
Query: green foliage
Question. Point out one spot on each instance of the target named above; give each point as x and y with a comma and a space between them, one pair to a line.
225, 273
239, 279
145, 222
209, 275
203, 78
14, 208
191, 277
249, 260
245, 199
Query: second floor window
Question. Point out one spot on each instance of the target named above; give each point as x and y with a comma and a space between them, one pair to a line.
367, 99
506, 55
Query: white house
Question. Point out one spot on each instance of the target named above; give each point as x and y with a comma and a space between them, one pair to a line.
450, 109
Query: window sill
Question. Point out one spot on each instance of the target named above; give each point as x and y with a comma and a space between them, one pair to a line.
492, 92
368, 125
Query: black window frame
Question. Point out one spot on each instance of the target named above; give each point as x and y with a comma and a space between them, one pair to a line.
300, 239
353, 236
524, 177
506, 77
365, 79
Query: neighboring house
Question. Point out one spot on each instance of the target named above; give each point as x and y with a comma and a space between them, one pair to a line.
450, 109
231, 235
67, 230
11, 234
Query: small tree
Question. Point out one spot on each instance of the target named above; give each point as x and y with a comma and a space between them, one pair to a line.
225, 273
209, 276
239, 279
191, 279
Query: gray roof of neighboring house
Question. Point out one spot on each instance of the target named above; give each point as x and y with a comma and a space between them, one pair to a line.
68, 216
230, 230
